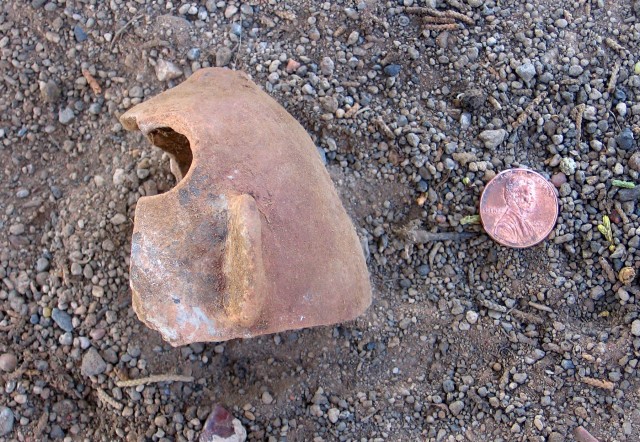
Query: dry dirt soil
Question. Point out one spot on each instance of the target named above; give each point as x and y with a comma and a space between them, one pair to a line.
416, 106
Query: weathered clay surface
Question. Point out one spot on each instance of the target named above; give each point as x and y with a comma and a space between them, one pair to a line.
253, 239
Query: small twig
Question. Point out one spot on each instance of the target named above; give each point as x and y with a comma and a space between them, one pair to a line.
613, 80
449, 27
577, 113
434, 252
492, 305
495, 103
287, 15
446, 14
120, 31
93, 83
618, 206
353, 111
583, 435
438, 20
527, 317
235, 59
542, 307
154, 42
606, 385
386, 131
364, 109
155, 379
614, 45
458, 16
41, 425
423, 237
608, 270
528, 110
105, 398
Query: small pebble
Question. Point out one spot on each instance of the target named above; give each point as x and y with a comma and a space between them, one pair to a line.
626, 139
65, 116
267, 398
193, 54
166, 70
79, 34
8, 362
63, 319
492, 138
392, 70
6, 421
92, 363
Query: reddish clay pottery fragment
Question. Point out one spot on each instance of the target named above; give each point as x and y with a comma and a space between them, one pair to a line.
253, 239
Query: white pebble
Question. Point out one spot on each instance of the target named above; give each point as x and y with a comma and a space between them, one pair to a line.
472, 317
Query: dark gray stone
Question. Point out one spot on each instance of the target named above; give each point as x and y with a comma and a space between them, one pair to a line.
63, 319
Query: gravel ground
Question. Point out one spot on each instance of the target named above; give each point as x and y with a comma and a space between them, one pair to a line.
415, 111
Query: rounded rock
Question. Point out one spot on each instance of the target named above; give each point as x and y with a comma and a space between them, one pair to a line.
65, 116
92, 363
456, 407
492, 138
626, 139
526, 71
63, 319
8, 362
6, 421
392, 70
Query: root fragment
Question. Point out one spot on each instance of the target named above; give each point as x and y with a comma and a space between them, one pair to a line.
598, 383
528, 110
577, 113
93, 83
105, 398
155, 379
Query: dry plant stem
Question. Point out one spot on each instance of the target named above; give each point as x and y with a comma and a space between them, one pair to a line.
386, 131
527, 317
583, 435
105, 398
155, 379
495, 103
613, 80
447, 14
124, 28
528, 110
614, 45
623, 215
541, 307
93, 83
577, 113
438, 20
422, 236
611, 275
606, 385
286, 15
449, 27
492, 305
41, 425
416, 10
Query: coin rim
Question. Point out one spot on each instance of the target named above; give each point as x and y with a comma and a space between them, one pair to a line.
553, 191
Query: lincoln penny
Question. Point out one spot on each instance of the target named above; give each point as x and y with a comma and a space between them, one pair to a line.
519, 208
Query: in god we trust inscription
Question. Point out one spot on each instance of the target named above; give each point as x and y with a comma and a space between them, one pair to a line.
519, 208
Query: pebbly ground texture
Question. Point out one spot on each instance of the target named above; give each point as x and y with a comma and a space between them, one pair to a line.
415, 111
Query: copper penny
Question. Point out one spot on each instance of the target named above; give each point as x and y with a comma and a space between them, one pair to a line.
519, 208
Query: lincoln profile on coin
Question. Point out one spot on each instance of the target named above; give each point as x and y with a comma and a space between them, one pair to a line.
514, 225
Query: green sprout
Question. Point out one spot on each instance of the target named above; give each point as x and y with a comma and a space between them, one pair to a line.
470, 219
605, 229
625, 184
466, 181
